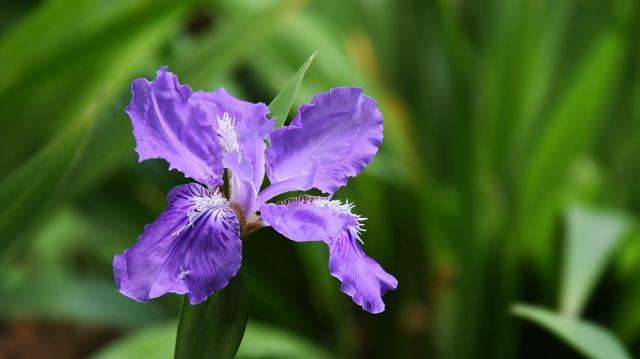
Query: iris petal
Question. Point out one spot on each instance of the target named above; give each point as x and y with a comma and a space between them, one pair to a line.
330, 139
170, 122
242, 129
361, 277
304, 221
192, 248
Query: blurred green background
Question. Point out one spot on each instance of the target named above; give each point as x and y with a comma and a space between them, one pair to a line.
509, 173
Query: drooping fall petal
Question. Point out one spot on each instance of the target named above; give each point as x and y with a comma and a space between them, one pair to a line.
332, 222
192, 248
361, 277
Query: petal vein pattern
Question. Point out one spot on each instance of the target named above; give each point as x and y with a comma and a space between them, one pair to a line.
192, 248
332, 138
170, 123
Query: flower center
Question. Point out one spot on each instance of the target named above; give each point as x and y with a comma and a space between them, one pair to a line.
201, 205
227, 137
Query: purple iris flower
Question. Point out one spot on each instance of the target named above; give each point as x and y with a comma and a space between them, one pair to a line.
194, 246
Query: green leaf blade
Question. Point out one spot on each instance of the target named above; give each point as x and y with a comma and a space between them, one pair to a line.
592, 237
266, 341
261, 341
214, 328
151, 342
589, 339
573, 124
282, 103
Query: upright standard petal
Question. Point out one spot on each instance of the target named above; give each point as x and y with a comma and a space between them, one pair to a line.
170, 123
332, 138
242, 129
192, 248
319, 219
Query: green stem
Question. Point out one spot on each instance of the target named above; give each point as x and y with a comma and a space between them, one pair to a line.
214, 328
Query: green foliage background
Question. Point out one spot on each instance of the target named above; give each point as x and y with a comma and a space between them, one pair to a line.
510, 170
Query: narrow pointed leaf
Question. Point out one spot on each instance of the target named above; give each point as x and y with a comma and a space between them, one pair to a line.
592, 236
214, 329
589, 339
572, 125
569, 131
282, 103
